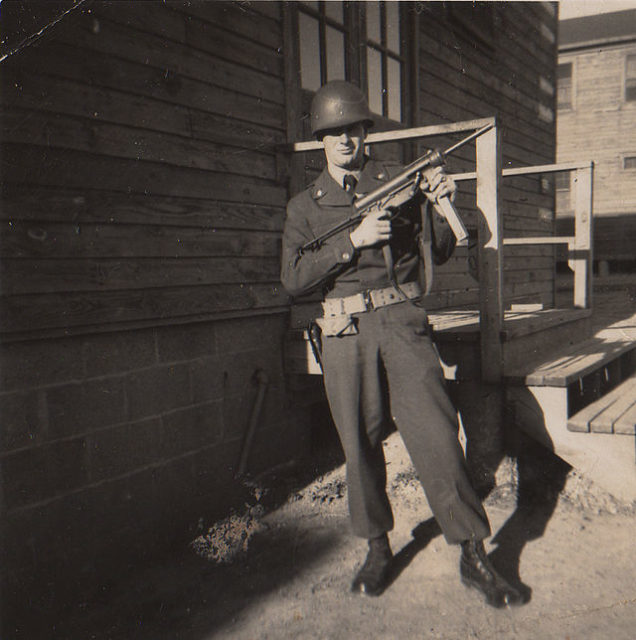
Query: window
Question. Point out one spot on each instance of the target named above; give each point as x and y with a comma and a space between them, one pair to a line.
357, 41
562, 181
629, 162
384, 62
322, 40
630, 78
564, 86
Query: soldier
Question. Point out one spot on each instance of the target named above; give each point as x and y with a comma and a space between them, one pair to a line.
379, 364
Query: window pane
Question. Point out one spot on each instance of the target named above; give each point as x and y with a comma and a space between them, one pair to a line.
564, 94
564, 86
562, 181
313, 5
374, 68
630, 78
395, 90
335, 54
334, 10
309, 52
373, 21
629, 162
393, 26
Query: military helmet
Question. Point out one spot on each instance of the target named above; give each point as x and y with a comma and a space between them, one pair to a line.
338, 104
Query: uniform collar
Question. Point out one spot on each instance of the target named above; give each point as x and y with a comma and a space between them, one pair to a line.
328, 192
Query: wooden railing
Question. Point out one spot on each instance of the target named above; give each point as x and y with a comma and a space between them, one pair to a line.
488, 175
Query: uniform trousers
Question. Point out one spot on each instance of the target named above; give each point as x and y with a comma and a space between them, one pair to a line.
390, 372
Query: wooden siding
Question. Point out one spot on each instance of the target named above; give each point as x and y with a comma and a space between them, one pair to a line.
140, 180
511, 78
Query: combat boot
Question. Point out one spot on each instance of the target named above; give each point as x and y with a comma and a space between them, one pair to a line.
373, 577
477, 571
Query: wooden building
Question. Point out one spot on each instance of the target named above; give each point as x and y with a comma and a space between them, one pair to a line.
597, 118
145, 173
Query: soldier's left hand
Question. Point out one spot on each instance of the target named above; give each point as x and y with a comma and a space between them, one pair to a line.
438, 185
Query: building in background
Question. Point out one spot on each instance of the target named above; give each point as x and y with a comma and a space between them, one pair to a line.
596, 119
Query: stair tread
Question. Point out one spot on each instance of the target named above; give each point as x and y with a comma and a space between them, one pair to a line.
570, 364
615, 412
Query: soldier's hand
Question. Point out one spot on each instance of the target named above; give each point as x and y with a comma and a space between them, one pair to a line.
438, 184
374, 229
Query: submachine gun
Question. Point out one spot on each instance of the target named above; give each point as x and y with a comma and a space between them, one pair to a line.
401, 189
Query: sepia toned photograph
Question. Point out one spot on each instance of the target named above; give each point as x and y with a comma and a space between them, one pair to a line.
317, 320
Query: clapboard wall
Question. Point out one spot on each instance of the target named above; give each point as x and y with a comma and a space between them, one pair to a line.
509, 73
141, 219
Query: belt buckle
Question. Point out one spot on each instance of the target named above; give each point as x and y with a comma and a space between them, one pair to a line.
368, 302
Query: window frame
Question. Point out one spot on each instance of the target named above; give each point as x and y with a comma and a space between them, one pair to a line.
626, 78
624, 157
354, 29
572, 105
325, 21
386, 53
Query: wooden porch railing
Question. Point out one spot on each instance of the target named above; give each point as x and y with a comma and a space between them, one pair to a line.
488, 175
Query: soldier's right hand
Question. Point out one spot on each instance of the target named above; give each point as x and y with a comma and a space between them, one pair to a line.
374, 229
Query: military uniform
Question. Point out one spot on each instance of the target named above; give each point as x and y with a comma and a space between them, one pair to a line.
382, 368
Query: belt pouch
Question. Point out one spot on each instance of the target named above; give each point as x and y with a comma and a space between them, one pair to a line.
340, 325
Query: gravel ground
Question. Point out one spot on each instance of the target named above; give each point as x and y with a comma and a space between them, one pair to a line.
274, 573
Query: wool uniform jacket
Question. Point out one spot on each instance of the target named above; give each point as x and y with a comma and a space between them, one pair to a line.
418, 239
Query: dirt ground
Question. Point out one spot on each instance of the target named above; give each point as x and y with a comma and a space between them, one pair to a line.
565, 543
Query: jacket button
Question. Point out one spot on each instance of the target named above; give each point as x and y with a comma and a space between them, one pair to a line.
319, 193
346, 256
381, 176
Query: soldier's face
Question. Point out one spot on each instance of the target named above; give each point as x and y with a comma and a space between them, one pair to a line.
344, 147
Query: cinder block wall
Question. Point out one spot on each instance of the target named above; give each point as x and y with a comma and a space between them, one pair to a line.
114, 445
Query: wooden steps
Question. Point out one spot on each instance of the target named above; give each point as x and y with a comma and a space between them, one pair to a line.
614, 412
579, 403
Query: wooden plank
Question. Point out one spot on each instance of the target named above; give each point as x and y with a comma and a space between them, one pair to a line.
490, 255
616, 410
467, 126
161, 21
582, 266
228, 46
482, 81
18, 277
52, 204
135, 325
243, 20
517, 324
539, 240
54, 167
574, 363
601, 415
66, 132
180, 58
19, 314
58, 95
89, 67
626, 424
58, 240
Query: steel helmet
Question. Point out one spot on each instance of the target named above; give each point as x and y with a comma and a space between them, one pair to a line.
336, 104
